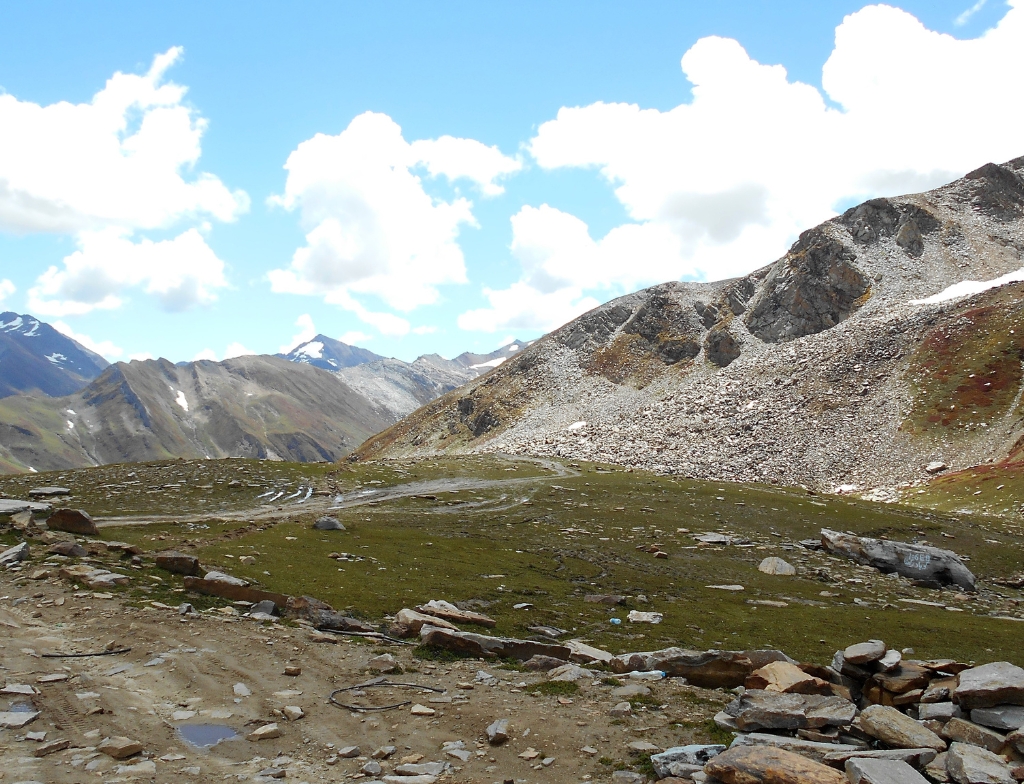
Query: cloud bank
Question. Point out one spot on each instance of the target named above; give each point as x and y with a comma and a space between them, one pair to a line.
104, 172
723, 184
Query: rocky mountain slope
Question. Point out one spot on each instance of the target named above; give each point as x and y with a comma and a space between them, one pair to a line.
844, 364
34, 357
251, 406
402, 387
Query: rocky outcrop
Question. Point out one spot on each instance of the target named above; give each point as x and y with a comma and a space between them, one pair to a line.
998, 191
814, 287
720, 347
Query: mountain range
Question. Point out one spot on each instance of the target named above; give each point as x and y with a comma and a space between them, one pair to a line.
885, 346
67, 407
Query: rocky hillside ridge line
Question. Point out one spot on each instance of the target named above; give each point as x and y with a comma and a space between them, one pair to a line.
813, 370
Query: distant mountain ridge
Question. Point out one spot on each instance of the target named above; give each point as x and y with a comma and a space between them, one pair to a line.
250, 406
317, 402
36, 357
484, 362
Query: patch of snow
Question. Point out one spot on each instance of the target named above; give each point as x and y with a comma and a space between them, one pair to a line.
56, 358
966, 288
32, 330
31, 470
576, 426
514, 347
490, 364
181, 401
314, 350
12, 325
332, 362
71, 425
70, 411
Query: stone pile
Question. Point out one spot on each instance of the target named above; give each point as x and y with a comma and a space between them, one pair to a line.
871, 716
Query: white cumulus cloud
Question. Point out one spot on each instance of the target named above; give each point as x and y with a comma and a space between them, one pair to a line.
237, 350
372, 228
723, 184
181, 272
120, 159
107, 172
105, 348
307, 331
6, 289
354, 337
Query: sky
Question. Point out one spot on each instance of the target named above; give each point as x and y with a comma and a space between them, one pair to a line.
201, 180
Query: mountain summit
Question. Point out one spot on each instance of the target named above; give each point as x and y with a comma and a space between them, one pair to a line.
329, 354
36, 357
887, 339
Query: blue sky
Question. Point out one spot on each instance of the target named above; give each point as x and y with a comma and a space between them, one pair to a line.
193, 238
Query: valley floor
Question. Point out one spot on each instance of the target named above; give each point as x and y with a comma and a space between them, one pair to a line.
523, 541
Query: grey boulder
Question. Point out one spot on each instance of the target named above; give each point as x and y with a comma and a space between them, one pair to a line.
1000, 717
328, 523
931, 566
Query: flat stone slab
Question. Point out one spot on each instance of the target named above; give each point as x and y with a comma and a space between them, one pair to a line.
48, 492
12, 506
1000, 717
812, 749
865, 652
916, 758
15, 720
998, 683
877, 771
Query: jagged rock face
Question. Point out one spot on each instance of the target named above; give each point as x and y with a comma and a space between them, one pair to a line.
880, 218
814, 287
998, 191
